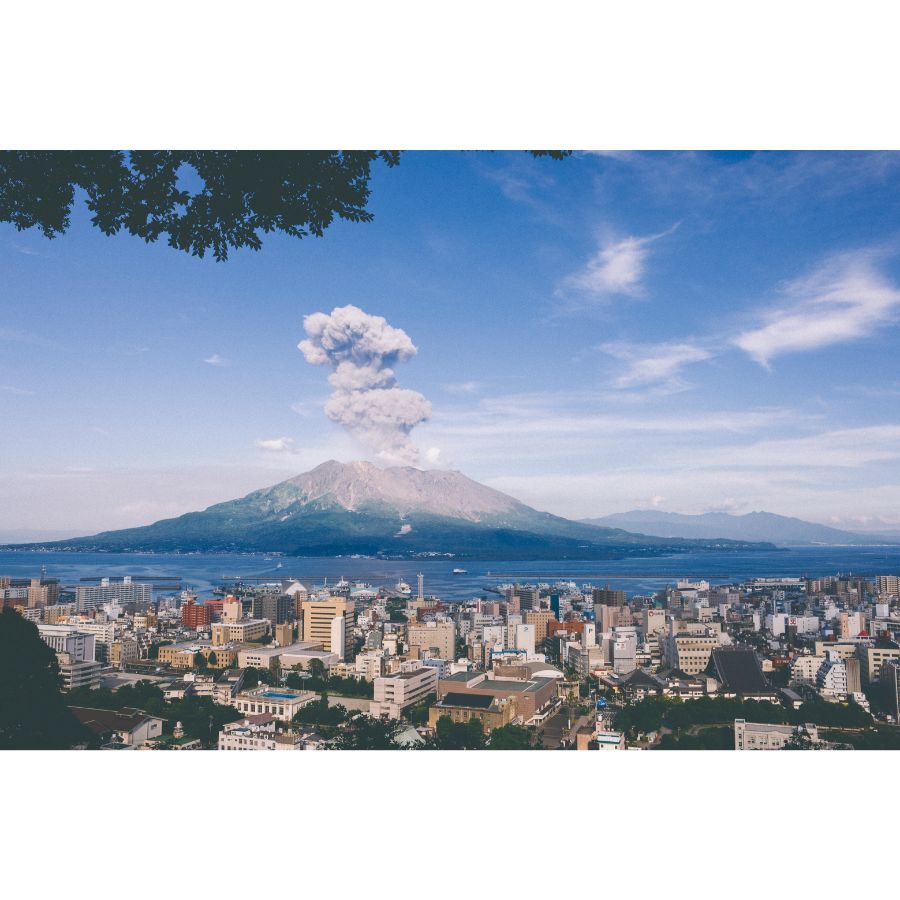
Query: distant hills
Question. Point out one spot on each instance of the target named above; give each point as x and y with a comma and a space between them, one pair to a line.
754, 526
341, 509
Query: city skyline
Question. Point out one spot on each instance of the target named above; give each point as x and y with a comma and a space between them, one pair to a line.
686, 331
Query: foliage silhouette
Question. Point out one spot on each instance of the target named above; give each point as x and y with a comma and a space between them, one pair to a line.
199, 201
33, 710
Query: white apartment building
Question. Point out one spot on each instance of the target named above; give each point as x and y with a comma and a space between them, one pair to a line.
831, 679
282, 703
393, 693
804, 669
79, 645
759, 736
246, 734
92, 596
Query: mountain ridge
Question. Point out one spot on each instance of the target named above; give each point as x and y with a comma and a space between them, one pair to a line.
752, 526
340, 509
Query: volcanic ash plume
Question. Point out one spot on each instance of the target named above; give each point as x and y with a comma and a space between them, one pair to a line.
361, 349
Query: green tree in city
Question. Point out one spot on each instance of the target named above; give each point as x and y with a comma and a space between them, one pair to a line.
367, 733
317, 668
513, 737
199, 661
418, 714
198, 201
450, 735
212, 659
33, 711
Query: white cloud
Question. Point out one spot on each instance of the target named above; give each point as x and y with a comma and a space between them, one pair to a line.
276, 445
653, 363
15, 391
617, 268
845, 299
216, 360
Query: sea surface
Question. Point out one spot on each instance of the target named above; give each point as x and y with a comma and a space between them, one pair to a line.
203, 572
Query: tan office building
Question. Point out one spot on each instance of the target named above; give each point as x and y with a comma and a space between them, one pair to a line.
540, 618
439, 637
318, 624
245, 632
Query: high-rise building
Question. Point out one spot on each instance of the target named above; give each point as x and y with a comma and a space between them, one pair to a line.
42, 593
277, 608
195, 615
437, 636
75, 653
541, 618
93, 596
318, 624
607, 597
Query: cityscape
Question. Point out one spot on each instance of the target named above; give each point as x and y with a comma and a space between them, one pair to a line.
434, 450
334, 419
280, 662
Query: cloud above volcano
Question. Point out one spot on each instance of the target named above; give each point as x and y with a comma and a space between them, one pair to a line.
362, 350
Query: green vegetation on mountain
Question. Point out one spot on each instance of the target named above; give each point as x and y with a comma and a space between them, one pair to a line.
356, 508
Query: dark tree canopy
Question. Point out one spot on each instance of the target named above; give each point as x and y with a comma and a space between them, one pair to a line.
198, 200
368, 733
33, 712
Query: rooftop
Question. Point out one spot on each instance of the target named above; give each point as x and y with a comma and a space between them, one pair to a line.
467, 701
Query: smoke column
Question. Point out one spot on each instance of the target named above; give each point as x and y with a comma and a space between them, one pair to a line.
361, 350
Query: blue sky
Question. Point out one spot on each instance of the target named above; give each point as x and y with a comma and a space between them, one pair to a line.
686, 331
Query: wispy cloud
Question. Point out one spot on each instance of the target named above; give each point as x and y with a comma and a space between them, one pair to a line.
845, 299
647, 364
216, 360
462, 387
276, 445
15, 391
616, 269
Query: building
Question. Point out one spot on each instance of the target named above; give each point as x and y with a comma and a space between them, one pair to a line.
123, 652
277, 608
873, 656
228, 685
128, 726
319, 625
303, 653
533, 695
259, 733
491, 711
540, 618
607, 597
690, 652
69, 639
280, 703
394, 693
42, 592
299, 654
284, 634
196, 616
243, 632
831, 679
438, 637
739, 672
124, 590
759, 736
890, 678
888, 584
